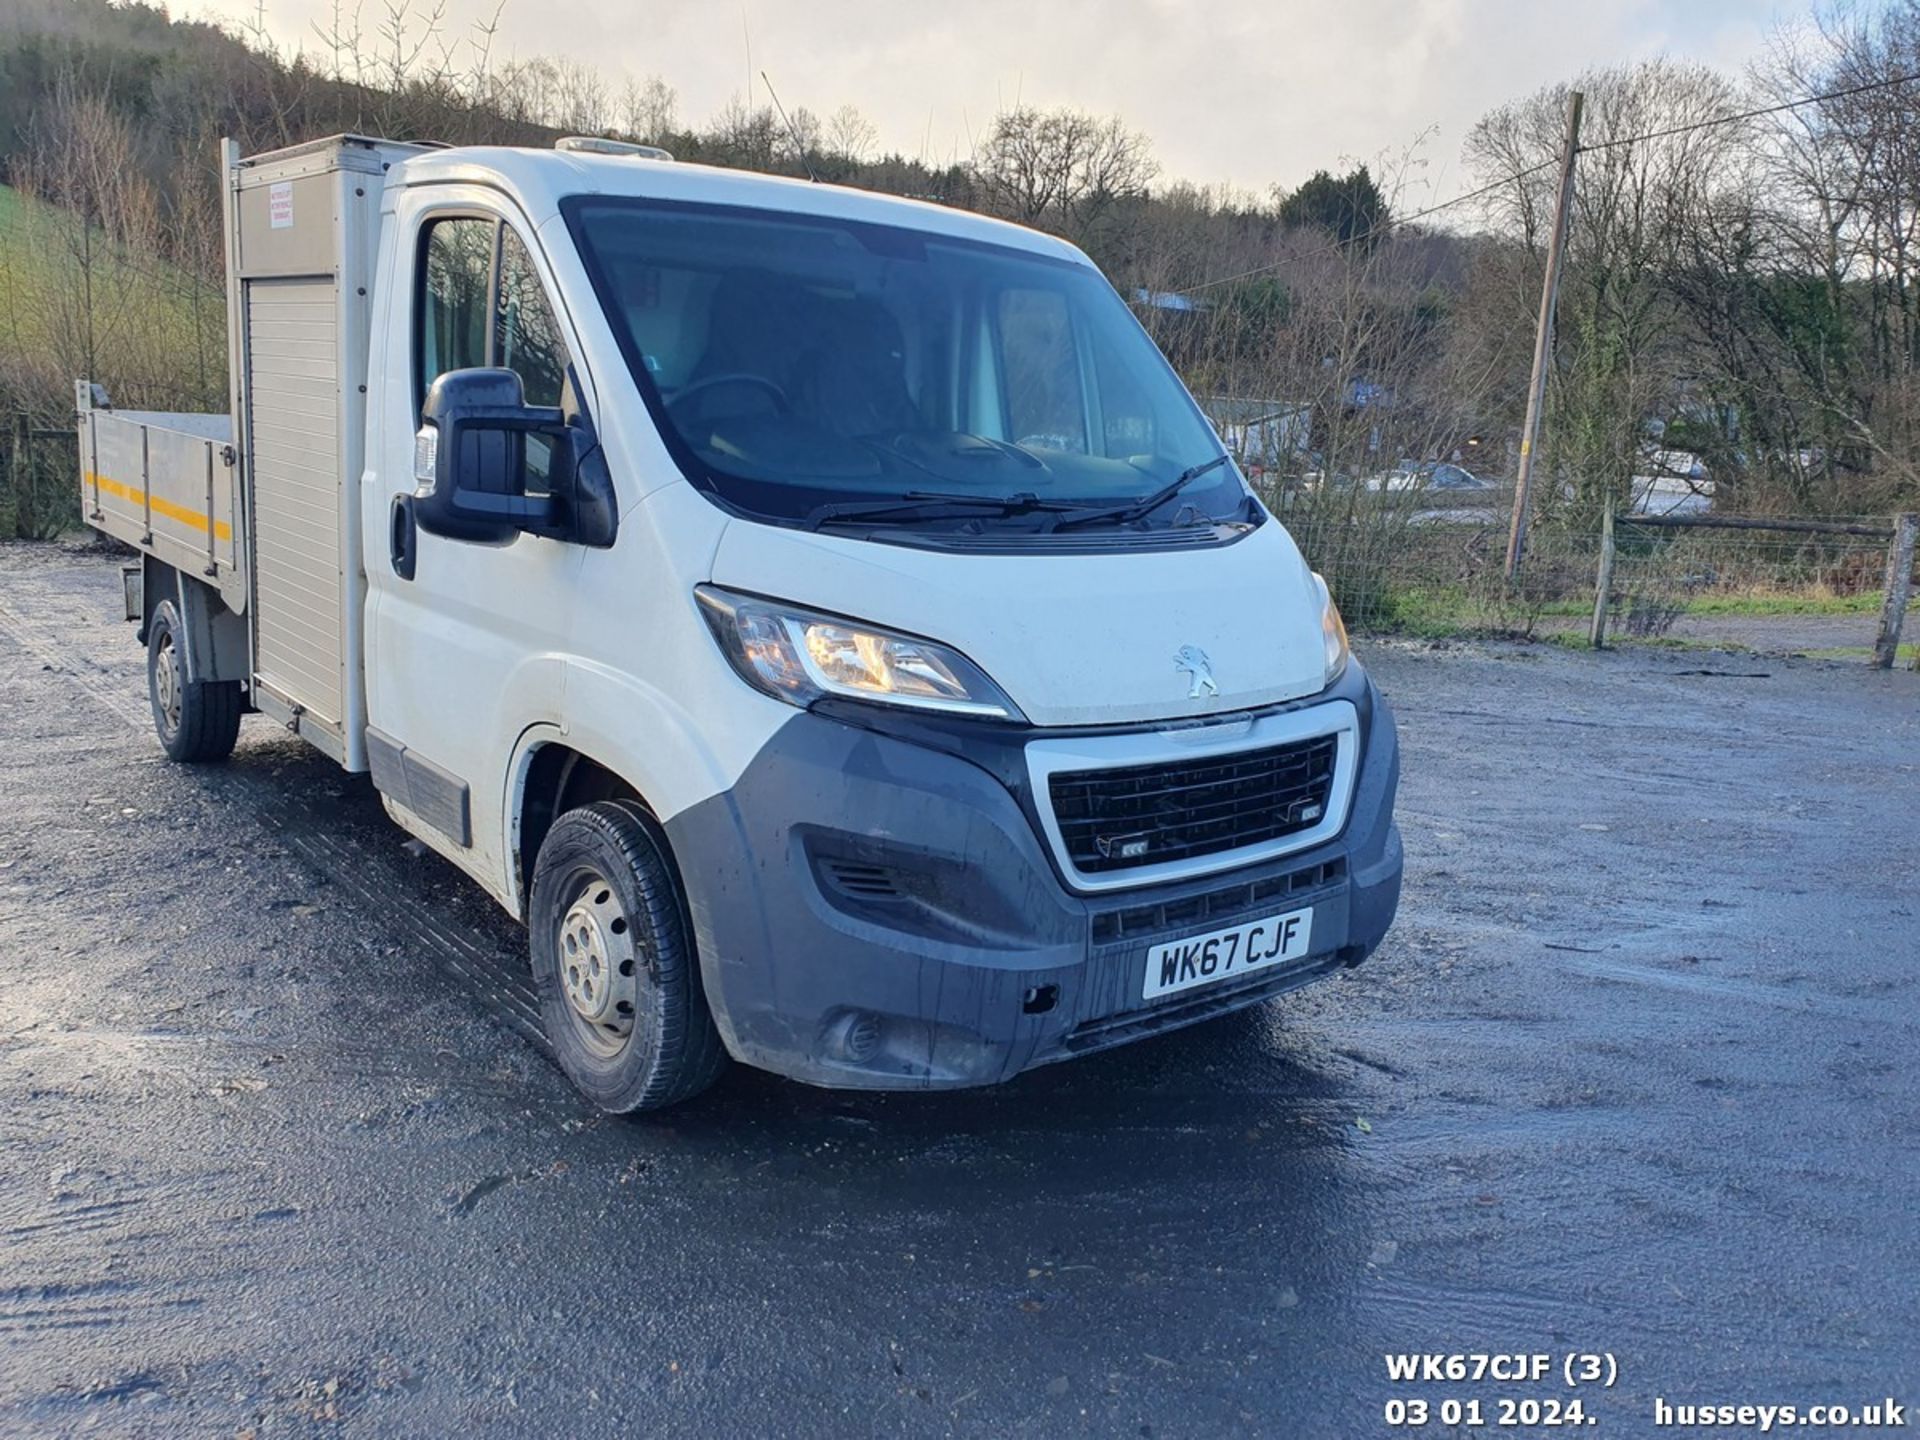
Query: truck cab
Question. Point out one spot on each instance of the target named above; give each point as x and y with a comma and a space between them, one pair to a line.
823, 618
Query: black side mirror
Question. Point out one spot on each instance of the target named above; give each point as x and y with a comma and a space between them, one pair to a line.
470, 459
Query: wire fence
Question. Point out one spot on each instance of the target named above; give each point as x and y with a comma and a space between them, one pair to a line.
39, 476
1399, 564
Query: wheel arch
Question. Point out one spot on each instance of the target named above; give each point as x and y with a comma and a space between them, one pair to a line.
215, 642
665, 754
552, 774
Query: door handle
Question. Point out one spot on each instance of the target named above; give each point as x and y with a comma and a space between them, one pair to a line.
403, 537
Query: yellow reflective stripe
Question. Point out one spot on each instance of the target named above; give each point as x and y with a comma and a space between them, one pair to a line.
193, 519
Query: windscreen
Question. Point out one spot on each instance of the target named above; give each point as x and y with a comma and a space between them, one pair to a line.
804, 367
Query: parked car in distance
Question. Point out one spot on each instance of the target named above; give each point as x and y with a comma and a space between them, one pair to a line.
1427, 476
1671, 482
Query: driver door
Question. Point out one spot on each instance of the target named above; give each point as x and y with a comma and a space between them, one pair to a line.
466, 641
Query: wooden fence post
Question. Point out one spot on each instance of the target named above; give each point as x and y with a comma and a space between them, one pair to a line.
1603, 583
20, 476
1899, 586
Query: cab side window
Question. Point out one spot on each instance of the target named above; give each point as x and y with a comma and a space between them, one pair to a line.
526, 335
481, 303
456, 275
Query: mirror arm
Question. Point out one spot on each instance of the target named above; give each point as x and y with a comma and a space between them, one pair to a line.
595, 510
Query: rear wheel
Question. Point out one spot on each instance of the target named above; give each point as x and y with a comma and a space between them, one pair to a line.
197, 720
614, 962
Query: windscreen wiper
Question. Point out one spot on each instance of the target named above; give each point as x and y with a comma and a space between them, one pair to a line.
933, 505
1136, 509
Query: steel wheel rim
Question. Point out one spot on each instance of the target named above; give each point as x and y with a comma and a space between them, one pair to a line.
167, 682
598, 965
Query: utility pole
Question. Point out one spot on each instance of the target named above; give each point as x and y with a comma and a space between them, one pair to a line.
1543, 336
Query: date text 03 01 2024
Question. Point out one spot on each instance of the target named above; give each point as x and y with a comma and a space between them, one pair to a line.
1504, 1412
1572, 1369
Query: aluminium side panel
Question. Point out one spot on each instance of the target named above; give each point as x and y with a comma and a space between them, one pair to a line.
299, 539
304, 237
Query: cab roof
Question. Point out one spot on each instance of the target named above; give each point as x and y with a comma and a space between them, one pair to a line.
539, 179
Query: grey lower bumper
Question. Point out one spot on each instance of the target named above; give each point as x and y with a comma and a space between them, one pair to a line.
874, 913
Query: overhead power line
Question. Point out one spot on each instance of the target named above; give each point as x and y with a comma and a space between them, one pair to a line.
1869, 86
1865, 88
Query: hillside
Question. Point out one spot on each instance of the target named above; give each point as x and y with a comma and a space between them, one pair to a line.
73, 301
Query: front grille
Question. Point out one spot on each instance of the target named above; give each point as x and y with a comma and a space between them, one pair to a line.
1133, 815
1213, 907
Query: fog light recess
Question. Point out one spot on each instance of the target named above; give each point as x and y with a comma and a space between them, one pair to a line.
1039, 999
856, 1037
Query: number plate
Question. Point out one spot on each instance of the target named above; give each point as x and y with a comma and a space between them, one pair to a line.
1223, 954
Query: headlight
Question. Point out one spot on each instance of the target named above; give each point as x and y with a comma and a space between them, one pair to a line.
799, 655
1333, 631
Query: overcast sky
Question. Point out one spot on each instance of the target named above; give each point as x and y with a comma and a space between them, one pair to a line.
1252, 92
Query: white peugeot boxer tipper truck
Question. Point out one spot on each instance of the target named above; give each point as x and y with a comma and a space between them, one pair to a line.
823, 618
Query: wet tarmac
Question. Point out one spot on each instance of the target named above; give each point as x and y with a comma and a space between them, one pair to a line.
1637, 1074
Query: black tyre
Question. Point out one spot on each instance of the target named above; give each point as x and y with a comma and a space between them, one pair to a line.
197, 721
614, 961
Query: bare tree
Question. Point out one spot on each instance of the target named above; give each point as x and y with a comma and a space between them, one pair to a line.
746, 135
1831, 258
581, 102
647, 109
1061, 170
850, 134
801, 137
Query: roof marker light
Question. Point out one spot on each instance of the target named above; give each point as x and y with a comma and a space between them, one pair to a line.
595, 145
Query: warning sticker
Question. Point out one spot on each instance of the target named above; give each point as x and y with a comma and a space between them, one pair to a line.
280, 205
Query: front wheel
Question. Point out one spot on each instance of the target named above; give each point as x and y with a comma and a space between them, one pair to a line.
614, 962
197, 720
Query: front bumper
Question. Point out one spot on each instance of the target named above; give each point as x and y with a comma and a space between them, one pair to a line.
875, 909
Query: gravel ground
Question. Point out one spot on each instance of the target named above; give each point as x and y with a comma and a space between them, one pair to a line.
1817, 635
1635, 1073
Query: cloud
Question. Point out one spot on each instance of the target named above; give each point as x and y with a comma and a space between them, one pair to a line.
1252, 92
